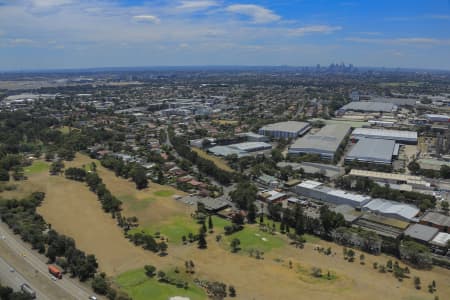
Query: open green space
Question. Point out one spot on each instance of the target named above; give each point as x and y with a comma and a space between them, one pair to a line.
178, 226
141, 287
38, 166
164, 193
253, 238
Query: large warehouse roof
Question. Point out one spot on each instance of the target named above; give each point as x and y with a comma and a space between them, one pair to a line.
385, 134
393, 209
372, 150
436, 218
410, 179
421, 232
327, 139
288, 126
369, 107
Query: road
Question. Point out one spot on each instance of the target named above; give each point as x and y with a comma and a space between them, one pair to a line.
12, 278
34, 268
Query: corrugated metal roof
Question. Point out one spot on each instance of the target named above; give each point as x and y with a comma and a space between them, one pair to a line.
421, 232
288, 126
375, 150
327, 139
383, 206
388, 134
370, 106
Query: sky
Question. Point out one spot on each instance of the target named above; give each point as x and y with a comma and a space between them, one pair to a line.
61, 34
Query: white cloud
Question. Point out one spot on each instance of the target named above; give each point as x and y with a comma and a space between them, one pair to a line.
50, 3
321, 29
147, 19
197, 4
401, 41
257, 13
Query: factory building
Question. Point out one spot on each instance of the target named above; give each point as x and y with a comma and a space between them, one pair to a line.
400, 136
240, 149
391, 209
286, 130
360, 106
432, 118
253, 137
317, 190
325, 142
376, 151
392, 178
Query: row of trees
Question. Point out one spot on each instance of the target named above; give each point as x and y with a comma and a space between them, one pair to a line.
22, 218
126, 170
7, 293
206, 166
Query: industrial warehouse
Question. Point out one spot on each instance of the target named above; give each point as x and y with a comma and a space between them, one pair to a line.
240, 149
286, 130
325, 142
400, 136
369, 107
376, 151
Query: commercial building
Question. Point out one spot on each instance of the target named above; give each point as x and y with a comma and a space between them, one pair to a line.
253, 137
392, 178
324, 143
240, 149
441, 240
377, 151
369, 107
317, 190
286, 130
433, 118
391, 209
437, 220
421, 233
400, 136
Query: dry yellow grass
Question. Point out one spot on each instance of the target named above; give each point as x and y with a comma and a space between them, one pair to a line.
75, 211
220, 163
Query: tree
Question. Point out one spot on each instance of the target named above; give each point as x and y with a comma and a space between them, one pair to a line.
351, 255
4, 175
202, 241
417, 282
161, 275
56, 167
316, 272
99, 284
361, 259
210, 224
445, 206
162, 247
414, 167
251, 214
235, 245
139, 177
231, 291
150, 270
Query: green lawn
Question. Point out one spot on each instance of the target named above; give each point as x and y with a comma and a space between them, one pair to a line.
38, 166
252, 238
140, 287
164, 193
175, 227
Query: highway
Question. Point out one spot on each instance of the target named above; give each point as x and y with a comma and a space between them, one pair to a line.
10, 277
35, 270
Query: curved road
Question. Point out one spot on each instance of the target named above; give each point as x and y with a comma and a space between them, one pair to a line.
37, 271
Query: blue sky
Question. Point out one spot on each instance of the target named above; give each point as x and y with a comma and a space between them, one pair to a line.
42, 34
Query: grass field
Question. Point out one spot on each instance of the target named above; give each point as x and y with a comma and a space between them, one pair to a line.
37, 167
253, 238
73, 210
140, 287
220, 163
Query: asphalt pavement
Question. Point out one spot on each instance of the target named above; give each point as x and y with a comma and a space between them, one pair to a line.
35, 270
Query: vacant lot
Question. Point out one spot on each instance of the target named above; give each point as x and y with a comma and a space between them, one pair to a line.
220, 163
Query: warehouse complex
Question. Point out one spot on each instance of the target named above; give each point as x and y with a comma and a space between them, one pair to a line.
400, 136
325, 142
396, 210
240, 149
286, 130
392, 178
369, 107
319, 191
377, 151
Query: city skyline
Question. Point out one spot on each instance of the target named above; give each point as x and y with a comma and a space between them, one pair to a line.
60, 34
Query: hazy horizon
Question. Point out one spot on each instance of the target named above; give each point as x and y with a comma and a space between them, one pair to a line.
69, 34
